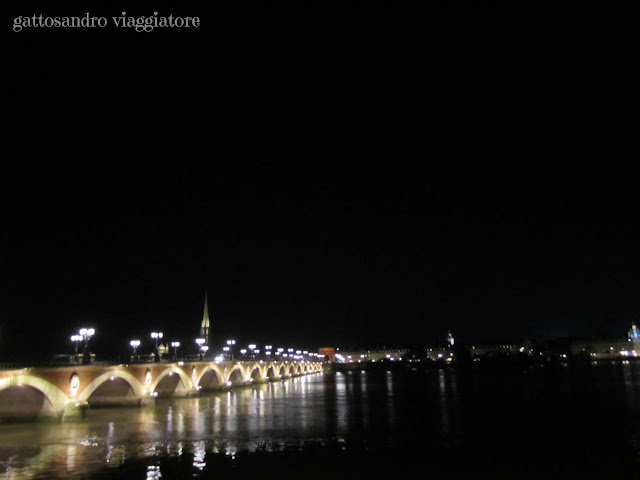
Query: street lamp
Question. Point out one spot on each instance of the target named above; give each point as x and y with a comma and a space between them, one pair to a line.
135, 344
75, 339
86, 334
201, 344
175, 346
156, 336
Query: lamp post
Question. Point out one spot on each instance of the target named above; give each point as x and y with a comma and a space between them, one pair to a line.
252, 347
200, 342
86, 334
175, 346
156, 336
75, 339
135, 344
230, 344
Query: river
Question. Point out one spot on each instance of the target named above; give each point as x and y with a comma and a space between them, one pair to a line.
562, 422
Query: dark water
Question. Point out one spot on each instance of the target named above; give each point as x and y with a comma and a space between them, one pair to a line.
564, 422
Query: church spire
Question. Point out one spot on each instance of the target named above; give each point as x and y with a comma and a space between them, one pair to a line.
450, 339
205, 325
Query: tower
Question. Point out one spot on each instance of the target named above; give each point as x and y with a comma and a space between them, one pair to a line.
205, 325
450, 339
634, 334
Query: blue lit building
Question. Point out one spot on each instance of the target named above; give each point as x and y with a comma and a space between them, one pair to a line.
634, 334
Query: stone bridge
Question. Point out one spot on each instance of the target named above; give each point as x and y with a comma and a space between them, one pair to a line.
65, 392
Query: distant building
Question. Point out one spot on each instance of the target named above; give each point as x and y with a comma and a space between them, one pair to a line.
328, 354
605, 348
500, 348
634, 334
163, 349
371, 355
439, 353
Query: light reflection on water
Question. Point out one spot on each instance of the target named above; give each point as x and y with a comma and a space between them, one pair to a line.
383, 407
242, 419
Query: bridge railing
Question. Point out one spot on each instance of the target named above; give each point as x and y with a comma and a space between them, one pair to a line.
49, 364
79, 360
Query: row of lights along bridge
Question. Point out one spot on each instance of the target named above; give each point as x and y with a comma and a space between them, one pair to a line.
229, 352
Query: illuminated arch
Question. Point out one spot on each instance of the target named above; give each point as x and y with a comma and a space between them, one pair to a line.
134, 383
52, 393
186, 381
237, 366
260, 377
252, 367
271, 368
208, 368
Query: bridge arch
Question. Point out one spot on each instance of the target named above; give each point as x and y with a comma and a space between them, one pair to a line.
136, 387
252, 368
236, 374
182, 377
207, 371
52, 394
271, 372
255, 373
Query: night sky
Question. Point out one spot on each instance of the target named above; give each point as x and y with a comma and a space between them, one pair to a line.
333, 175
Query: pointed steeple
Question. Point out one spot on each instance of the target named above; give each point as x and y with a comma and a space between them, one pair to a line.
205, 325
450, 339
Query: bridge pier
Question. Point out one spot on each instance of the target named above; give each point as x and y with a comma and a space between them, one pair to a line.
73, 412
